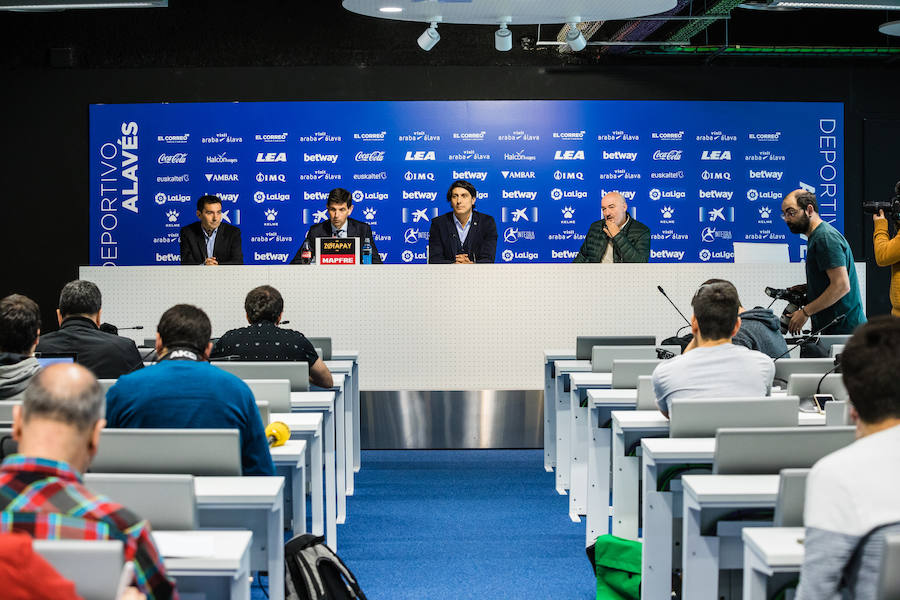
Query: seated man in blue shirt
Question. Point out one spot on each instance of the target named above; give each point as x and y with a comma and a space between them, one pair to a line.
184, 390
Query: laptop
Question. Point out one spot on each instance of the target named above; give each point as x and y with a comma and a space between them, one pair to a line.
45, 359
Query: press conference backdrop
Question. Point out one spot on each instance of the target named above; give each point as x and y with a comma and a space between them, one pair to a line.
701, 175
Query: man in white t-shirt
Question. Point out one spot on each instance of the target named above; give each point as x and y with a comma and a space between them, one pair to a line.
853, 491
711, 366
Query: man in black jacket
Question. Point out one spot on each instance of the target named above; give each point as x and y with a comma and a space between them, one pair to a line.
463, 236
617, 237
339, 224
108, 356
210, 241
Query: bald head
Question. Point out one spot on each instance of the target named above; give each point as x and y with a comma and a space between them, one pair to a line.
614, 208
67, 393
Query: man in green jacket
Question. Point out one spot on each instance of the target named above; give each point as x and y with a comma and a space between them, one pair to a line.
630, 239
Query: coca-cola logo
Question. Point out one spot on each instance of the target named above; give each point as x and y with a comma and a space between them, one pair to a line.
179, 158
374, 156
667, 155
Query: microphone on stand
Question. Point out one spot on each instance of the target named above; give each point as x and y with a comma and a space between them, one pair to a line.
277, 434
110, 328
812, 334
675, 339
663, 292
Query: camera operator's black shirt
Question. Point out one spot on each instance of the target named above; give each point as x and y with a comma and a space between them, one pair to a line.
265, 341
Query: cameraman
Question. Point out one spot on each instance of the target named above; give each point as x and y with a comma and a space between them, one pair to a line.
832, 286
887, 252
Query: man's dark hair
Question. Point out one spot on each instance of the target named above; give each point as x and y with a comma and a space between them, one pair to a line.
184, 326
340, 196
79, 297
79, 404
462, 183
263, 303
202, 201
709, 281
20, 322
870, 362
716, 308
805, 199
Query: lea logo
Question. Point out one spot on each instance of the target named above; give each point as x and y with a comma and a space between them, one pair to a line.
569, 155
271, 157
716, 155
420, 155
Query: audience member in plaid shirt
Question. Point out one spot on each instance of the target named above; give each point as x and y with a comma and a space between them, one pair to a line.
41, 490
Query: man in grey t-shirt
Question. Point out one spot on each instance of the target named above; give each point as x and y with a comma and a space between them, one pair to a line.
711, 366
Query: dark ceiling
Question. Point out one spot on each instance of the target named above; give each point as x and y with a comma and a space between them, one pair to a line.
227, 33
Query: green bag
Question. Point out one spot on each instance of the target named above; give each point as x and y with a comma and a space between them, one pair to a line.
618, 566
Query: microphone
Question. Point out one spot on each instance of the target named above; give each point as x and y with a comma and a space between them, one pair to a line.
277, 433
226, 358
134, 327
663, 292
284, 322
813, 334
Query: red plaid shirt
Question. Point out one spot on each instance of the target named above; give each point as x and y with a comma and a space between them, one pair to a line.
46, 499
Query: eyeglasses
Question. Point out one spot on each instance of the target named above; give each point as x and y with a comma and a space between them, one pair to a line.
789, 213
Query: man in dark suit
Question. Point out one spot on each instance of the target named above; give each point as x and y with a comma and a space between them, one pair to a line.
209, 241
108, 356
339, 224
463, 236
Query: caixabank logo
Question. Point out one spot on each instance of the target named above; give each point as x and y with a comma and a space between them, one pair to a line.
419, 215
515, 215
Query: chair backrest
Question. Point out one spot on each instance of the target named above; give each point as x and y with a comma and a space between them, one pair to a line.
323, 344
837, 413
827, 341
149, 343
94, 566
767, 450
602, 357
791, 497
295, 372
277, 392
836, 350
701, 417
646, 395
625, 373
889, 574
584, 343
6, 410
785, 367
105, 384
263, 407
166, 501
804, 385
191, 451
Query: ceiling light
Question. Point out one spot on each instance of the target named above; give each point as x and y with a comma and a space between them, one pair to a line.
848, 4
45, 5
574, 38
503, 39
390, 9
891, 28
429, 38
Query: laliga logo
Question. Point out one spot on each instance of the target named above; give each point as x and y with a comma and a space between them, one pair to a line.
752, 195
160, 198
655, 194
357, 195
259, 197
507, 255
705, 255
556, 194
407, 256
411, 236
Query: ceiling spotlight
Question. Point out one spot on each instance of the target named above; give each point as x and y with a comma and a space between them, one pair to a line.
503, 39
390, 9
429, 38
574, 38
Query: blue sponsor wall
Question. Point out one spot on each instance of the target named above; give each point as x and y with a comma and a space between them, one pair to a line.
701, 175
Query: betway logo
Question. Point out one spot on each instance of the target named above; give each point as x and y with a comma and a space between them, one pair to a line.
476, 175
172, 159
716, 155
715, 194
270, 256
569, 155
420, 155
676, 254
628, 195
271, 157
317, 157
418, 195
228, 197
168, 257
568, 254
315, 196
619, 155
518, 195
776, 175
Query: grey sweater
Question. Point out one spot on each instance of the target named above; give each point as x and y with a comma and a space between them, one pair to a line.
16, 372
761, 331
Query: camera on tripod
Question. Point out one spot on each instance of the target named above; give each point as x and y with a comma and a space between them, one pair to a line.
795, 297
890, 207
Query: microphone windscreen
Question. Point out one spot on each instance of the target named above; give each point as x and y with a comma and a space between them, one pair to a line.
277, 433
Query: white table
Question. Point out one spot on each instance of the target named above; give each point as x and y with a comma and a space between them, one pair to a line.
563, 418
309, 426
331, 405
628, 428
347, 418
661, 509
550, 357
254, 503
290, 463
600, 404
213, 563
708, 544
581, 429
354, 439
770, 552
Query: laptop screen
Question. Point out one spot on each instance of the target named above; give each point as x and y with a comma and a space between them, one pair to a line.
45, 359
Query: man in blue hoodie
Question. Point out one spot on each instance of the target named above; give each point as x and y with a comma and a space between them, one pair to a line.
760, 329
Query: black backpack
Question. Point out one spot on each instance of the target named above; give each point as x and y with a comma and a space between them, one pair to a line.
314, 572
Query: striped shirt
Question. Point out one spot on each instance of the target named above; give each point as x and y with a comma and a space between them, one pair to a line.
47, 499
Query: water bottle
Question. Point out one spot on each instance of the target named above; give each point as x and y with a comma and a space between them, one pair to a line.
367, 252
305, 253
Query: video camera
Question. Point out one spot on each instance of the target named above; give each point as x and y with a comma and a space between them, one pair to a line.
890, 207
795, 297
